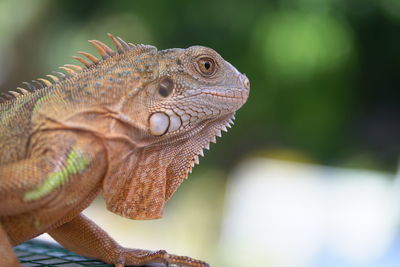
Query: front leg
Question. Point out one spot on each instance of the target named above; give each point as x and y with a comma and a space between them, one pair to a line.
54, 171
84, 237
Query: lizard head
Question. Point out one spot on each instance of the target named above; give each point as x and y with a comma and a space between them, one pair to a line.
195, 86
193, 99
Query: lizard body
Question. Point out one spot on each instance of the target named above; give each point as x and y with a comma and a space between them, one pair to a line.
130, 126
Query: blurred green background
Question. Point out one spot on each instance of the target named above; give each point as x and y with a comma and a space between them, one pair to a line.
325, 83
324, 73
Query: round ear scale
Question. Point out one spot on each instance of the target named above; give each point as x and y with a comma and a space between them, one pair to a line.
159, 123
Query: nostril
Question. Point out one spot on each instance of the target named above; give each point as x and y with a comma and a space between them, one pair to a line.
246, 82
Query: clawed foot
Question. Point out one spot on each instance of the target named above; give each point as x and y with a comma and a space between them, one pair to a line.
139, 257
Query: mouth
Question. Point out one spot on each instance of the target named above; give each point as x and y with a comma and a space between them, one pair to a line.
238, 94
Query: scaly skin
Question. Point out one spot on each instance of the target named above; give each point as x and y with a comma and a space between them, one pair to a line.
130, 126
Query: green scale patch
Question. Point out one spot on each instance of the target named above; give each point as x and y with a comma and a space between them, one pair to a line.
75, 163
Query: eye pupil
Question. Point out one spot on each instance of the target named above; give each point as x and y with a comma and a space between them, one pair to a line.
207, 65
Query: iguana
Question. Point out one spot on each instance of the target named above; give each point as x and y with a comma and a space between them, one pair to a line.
130, 125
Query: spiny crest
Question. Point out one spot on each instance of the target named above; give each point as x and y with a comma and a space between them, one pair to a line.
212, 139
88, 61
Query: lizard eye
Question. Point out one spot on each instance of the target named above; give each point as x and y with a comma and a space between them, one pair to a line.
206, 66
166, 87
